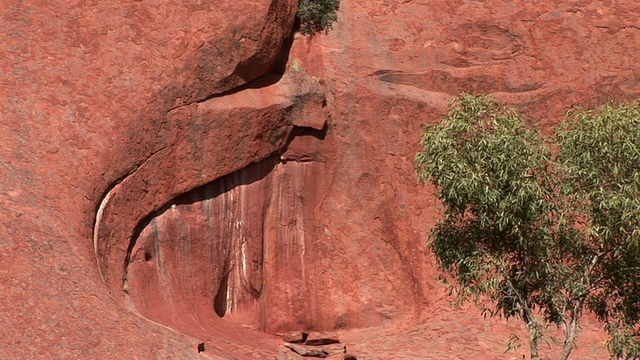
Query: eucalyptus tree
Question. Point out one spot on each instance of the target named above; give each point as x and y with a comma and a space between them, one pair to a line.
599, 162
542, 238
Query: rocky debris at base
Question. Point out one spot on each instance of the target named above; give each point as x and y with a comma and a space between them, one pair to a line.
299, 345
295, 337
317, 338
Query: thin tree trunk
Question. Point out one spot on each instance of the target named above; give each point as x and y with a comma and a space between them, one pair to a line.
533, 344
570, 336
534, 336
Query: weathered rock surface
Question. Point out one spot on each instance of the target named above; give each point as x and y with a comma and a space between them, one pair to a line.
295, 201
295, 337
316, 345
285, 354
307, 351
97, 94
317, 338
388, 76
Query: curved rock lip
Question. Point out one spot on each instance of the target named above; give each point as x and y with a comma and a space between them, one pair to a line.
268, 116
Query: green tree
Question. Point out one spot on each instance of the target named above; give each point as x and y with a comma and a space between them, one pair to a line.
599, 160
317, 15
492, 176
519, 227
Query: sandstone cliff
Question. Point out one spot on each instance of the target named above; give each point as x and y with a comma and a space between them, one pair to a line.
176, 174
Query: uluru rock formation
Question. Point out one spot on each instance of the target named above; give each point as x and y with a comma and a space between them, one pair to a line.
175, 174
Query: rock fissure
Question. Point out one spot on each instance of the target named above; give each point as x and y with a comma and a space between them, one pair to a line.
448, 82
263, 81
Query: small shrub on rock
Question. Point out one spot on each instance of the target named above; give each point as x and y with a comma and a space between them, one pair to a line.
317, 15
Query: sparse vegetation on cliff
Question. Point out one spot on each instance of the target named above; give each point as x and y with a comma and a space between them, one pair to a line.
317, 15
544, 238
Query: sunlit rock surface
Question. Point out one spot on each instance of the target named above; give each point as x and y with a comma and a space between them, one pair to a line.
176, 174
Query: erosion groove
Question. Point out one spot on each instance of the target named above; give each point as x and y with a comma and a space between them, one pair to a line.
445, 82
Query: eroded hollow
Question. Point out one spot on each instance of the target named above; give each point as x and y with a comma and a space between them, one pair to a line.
221, 300
231, 249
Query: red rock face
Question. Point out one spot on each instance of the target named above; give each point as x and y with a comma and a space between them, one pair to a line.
296, 205
103, 94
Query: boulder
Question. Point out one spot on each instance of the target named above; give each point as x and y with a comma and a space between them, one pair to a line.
306, 350
295, 337
320, 338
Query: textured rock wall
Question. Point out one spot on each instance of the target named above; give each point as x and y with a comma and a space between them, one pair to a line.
113, 113
387, 77
97, 94
234, 248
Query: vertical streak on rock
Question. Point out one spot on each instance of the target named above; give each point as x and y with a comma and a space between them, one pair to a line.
284, 253
235, 248
245, 215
